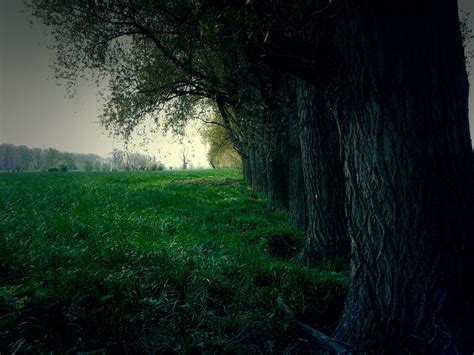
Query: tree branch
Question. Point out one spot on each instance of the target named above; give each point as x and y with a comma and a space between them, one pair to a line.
302, 59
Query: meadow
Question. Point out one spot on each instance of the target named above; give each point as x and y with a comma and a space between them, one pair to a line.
174, 261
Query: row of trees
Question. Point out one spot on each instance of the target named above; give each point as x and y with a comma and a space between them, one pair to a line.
351, 115
121, 160
21, 158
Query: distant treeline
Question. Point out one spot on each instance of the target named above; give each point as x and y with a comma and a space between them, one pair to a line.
21, 158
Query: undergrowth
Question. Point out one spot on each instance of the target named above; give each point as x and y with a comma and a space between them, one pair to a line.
150, 263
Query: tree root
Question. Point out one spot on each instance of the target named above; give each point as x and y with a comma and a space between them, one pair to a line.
321, 340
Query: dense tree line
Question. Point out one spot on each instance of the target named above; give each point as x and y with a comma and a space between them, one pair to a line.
21, 158
351, 115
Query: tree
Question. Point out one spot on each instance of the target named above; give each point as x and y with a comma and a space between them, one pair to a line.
407, 164
51, 158
300, 42
118, 159
88, 165
221, 151
405, 148
184, 159
326, 235
97, 166
171, 56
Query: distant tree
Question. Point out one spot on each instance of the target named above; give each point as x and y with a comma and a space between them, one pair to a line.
118, 159
105, 167
88, 165
184, 159
3, 149
138, 161
6, 153
221, 151
63, 166
36, 162
23, 158
51, 157
97, 166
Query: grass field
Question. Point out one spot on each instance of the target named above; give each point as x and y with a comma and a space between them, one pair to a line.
185, 261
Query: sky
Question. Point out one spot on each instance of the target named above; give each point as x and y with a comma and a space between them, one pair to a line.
35, 111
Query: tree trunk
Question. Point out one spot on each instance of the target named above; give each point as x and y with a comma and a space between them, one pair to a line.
407, 152
262, 165
254, 168
246, 167
276, 168
326, 234
297, 211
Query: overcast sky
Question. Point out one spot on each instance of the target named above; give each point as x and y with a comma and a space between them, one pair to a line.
35, 112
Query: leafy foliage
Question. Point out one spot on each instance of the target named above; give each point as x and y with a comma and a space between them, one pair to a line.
162, 60
221, 153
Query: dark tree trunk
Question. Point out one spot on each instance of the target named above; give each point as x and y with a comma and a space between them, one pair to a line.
246, 167
254, 166
275, 123
283, 165
326, 233
407, 149
262, 165
277, 181
276, 167
297, 211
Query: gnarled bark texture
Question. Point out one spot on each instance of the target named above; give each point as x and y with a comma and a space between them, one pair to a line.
276, 164
326, 235
297, 211
407, 165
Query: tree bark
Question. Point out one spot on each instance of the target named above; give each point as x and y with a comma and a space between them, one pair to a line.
326, 234
246, 167
253, 162
407, 165
297, 210
276, 127
276, 173
291, 155
262, 164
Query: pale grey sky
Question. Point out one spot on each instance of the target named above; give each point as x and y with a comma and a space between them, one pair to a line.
35, 112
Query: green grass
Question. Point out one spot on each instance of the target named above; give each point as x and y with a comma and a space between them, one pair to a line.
179, 261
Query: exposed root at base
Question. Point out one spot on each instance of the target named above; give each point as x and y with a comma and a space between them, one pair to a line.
321, 340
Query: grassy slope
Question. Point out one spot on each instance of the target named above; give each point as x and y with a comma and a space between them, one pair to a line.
142, 262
